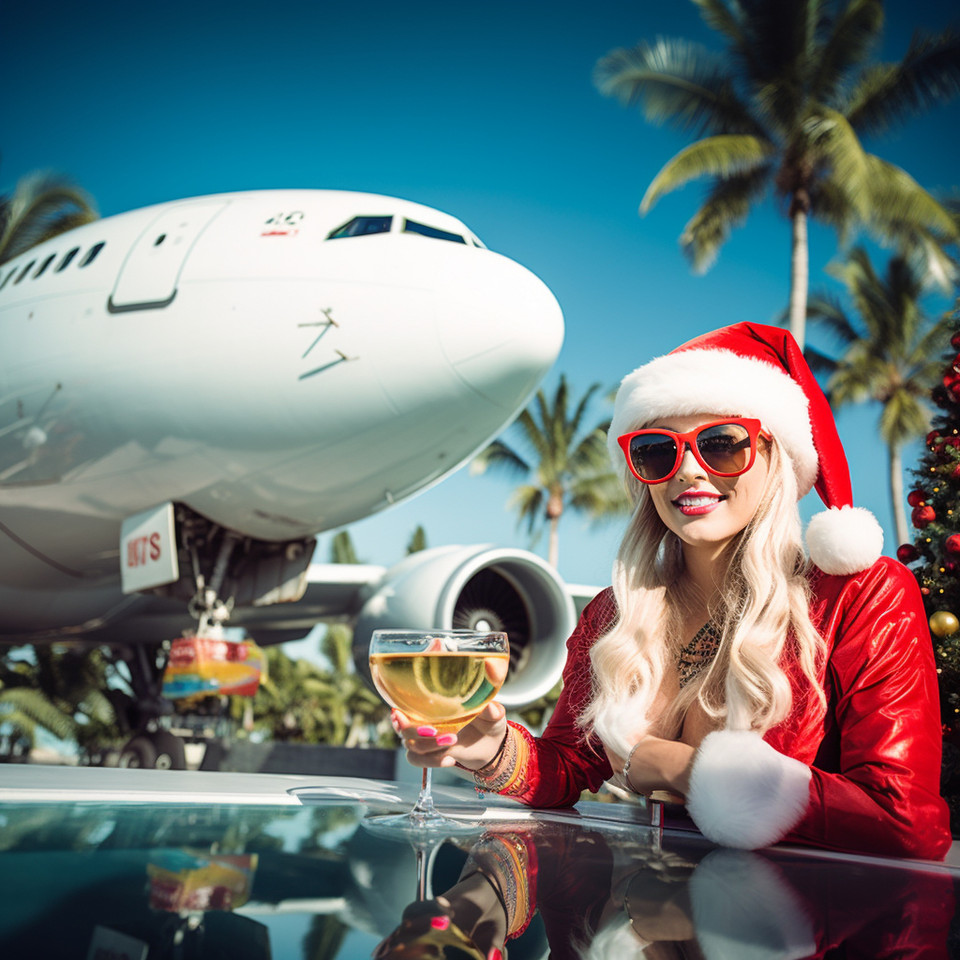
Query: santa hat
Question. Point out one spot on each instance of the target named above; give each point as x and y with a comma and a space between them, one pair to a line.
753, 370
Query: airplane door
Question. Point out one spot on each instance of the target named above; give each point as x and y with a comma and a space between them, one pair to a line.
148, 278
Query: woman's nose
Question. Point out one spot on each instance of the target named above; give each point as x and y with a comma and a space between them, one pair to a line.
690, 466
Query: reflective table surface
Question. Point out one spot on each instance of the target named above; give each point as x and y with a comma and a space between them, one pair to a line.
141, 864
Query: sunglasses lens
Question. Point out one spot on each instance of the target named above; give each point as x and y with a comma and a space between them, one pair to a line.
725, 448
653, 455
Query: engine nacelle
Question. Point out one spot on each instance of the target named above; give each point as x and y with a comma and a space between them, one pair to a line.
478, 587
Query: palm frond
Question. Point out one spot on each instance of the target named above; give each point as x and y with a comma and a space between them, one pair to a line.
853, 34
36, 706
578, 414
831, 205
930, 346
903, 418
826, 311
500, 456
818, 361
723, 156
590, 455
679, 83
41, 206
898, 204
529, 502
833, 139
726, 207
718, 16
601, 496
888, 93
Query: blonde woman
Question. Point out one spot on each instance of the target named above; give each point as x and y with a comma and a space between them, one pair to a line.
783, 698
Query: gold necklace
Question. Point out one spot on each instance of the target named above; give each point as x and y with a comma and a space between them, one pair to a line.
698, 653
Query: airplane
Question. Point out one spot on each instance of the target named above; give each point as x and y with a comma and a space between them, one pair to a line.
192, 391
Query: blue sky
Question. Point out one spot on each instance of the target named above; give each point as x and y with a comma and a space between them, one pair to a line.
486, 111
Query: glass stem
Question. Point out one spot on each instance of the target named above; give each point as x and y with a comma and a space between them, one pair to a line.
424, 808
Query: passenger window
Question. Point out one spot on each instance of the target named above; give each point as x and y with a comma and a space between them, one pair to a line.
6, 279
24, 272
65, 262
43, 266
361, 226
91, 255
411, 226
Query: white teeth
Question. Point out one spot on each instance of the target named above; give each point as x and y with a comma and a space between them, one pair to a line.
695, 501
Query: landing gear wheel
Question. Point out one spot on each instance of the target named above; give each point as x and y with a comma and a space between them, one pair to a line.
169, 749
138, 754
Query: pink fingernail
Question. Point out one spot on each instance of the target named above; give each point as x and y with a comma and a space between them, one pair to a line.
439, 923
446, 740
427, 731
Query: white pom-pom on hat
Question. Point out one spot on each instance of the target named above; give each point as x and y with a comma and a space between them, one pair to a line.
844, 540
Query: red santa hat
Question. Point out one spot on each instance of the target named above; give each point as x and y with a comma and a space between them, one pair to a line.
754, 370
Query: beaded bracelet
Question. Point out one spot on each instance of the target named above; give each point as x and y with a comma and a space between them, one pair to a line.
500, 768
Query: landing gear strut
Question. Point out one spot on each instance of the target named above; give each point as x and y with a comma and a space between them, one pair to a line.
154, 746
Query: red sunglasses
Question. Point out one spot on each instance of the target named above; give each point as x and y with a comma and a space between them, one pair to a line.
725, 448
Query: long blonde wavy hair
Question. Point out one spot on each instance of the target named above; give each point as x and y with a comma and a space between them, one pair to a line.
763, 607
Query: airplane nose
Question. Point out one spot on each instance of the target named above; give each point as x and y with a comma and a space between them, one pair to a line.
501, 327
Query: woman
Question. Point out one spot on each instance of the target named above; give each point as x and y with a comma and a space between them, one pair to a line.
784, 699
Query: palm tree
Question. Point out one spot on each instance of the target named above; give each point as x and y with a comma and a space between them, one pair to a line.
784, 108
418, 540
63, 689
891, 353
42, 205
571, 466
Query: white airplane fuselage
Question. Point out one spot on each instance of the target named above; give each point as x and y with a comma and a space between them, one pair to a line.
226, 354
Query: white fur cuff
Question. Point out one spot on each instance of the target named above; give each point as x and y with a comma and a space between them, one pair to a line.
844, 540
744, 906
743, 793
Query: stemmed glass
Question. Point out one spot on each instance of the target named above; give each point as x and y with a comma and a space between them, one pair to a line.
439, 678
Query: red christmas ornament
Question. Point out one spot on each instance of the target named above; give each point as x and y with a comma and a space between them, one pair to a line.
952, 543
932, 437
925, 591
907, 553
955, 341
950, 567
916, 498
955, 472
921, 516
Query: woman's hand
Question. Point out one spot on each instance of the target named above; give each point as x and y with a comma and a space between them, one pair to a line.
656, 764
473, 747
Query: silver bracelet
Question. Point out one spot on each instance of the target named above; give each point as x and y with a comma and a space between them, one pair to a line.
624, 773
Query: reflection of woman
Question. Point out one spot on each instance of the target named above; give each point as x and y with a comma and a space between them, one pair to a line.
784, 699
493, 901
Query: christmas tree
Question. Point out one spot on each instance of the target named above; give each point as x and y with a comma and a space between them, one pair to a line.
934, 557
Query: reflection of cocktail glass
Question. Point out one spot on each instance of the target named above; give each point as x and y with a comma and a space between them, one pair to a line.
437, 678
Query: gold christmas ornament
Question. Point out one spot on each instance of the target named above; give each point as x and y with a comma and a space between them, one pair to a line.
943, 623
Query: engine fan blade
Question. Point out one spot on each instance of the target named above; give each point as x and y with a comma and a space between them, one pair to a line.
490, 602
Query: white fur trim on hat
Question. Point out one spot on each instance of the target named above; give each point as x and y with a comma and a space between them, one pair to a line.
844, 540
743, 793
688, 382
743, 906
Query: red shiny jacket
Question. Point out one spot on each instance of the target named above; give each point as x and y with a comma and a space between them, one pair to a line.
864, 777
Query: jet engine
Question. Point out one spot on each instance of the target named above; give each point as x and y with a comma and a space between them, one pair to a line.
478, 587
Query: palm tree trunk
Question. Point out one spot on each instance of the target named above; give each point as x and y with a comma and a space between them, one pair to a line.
896, 495
553, 549
799, 275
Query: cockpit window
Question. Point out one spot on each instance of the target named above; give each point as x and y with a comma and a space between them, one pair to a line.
361, 226
411, 226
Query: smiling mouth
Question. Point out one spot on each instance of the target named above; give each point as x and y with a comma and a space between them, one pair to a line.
696, 505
